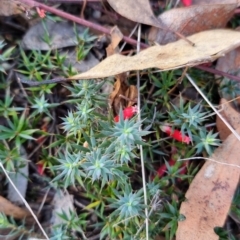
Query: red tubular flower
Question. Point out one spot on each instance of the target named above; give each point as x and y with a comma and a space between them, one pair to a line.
162, 170
128, 113
187, 2
40, 168
176, 134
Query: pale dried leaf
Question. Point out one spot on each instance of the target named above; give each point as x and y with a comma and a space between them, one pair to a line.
116, 37
190, 20
209, 45
138, 11
12, 7
210, 194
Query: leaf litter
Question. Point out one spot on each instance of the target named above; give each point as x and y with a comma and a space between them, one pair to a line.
209, 46
190, 20
211, 191
210, 194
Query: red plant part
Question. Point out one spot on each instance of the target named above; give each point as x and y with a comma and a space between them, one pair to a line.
41, 12
128, 113
175, 134
162, 169
187, 2
40, 168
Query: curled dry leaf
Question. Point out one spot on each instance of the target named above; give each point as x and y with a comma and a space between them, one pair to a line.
116, 37
190, 20
209, 45
132, 95
231, 115
210, 194
123, 95
115, 99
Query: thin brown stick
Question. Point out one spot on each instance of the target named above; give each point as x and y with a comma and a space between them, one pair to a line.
218, 72
83, 9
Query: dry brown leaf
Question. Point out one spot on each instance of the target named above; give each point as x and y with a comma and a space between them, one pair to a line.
209, 45
232, 117
138, 11
190, 20
210, 194
9, 209
120, 87
12, 7
131, 94
123, 95
116, 37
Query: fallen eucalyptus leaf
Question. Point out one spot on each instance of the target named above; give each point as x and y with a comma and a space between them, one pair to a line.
209, 45
210, 194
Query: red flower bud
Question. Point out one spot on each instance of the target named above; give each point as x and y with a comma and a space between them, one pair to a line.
41, 12
187, 2
40, 168
176, 134
128, 113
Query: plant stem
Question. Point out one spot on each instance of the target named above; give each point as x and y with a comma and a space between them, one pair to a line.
218, 72
141, 148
